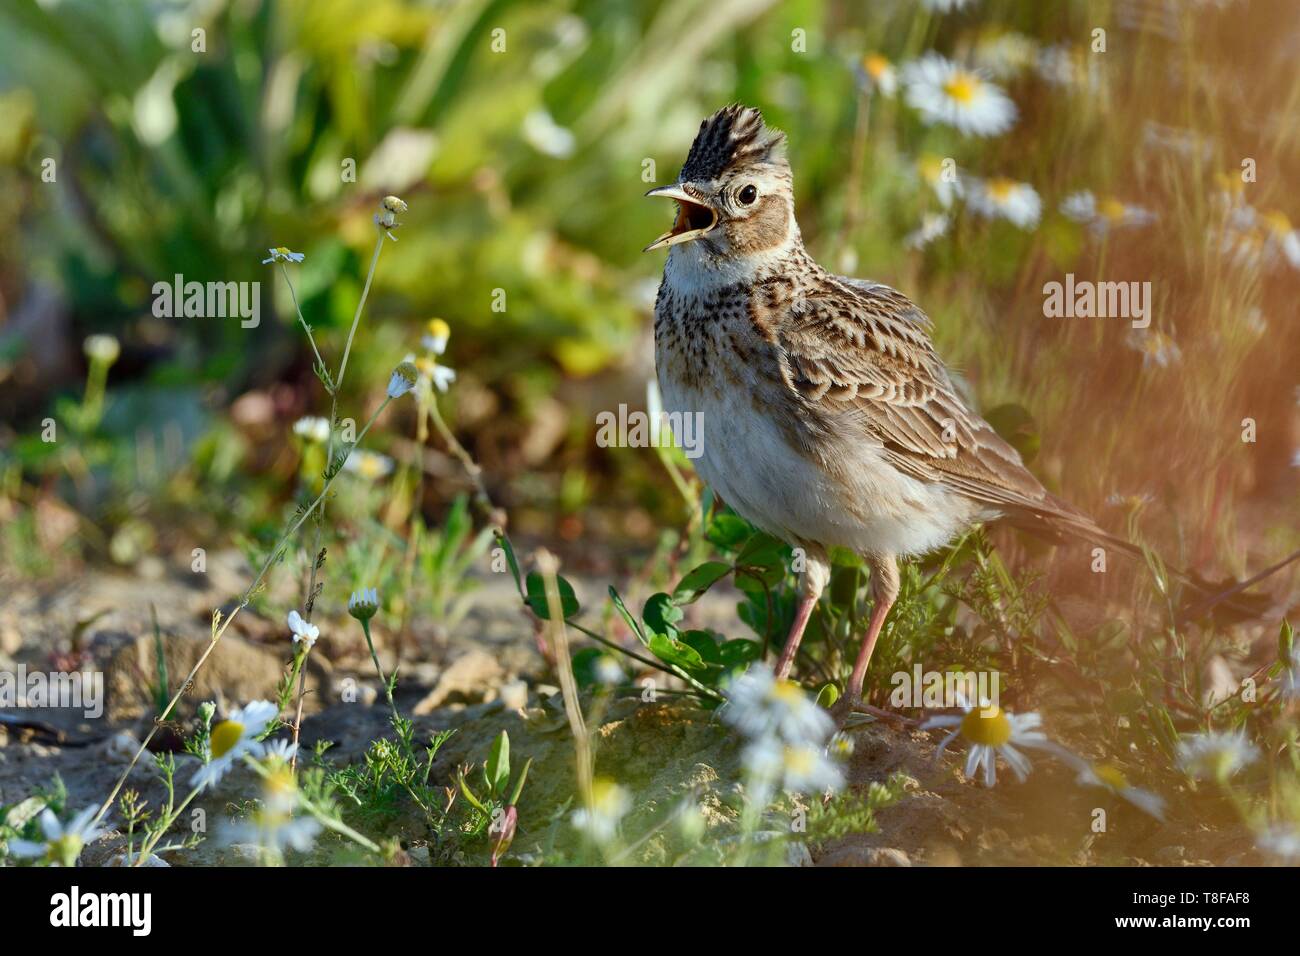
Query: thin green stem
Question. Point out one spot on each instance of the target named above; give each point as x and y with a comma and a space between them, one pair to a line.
243, 603
388, 690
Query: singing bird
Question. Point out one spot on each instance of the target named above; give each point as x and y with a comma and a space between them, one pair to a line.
828, 418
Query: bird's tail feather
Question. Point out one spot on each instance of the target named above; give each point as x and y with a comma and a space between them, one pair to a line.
1057, 520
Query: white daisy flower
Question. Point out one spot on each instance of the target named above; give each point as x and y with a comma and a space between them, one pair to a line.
103, 349
279, 751
797, 768
547, 136
1001, 198
63, 842
368, 464
281, 254
1157, 347
1102, 215
232, 738
945, 92
435, 339
1004, 53
273, 826
312, 428
1069, 66
303, 630
760, 706
876, 74
403, 379
933, 226
1216, 754
432, 374
941, 176
609, 804
1110, 777
1280, 237
443, 377
992, 732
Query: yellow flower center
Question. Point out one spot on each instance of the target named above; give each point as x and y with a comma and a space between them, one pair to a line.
1277, 222
986, 725
370, 466
1111, 209
1001, 189
786, 692
439, 329
224, 736
875, 65
606, 796
962, 87
931, 167
1111, 776
64, 850
799, 760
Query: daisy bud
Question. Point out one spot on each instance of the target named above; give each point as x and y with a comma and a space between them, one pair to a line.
364, 604
404, 378
389, 207
103, 349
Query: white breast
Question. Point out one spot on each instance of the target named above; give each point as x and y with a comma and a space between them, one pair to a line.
748, 462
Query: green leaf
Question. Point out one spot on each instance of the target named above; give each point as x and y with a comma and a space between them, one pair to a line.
584, 666
672, 651
631, 622
469, 795
519, 784
504, 543
738, 652
661, 614
728, 531
827, 696
497, 768
762, 551
704, 643
691, 587
536, 598
1285, 643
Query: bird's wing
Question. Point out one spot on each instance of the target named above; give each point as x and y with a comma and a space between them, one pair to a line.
860, 355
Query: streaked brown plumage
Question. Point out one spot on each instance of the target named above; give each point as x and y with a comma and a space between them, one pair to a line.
829, 420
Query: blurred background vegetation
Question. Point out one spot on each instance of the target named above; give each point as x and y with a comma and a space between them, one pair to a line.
523, 156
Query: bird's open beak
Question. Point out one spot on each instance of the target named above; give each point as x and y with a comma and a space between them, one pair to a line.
694, 219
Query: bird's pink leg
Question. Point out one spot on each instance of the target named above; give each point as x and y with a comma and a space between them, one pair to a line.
874, 626
801, 614
884, 586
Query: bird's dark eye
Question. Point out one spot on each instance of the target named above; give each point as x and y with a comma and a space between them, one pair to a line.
748, 194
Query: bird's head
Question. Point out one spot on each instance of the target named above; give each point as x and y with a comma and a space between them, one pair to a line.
734, 196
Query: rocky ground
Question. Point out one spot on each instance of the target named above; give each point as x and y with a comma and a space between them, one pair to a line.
474, 680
